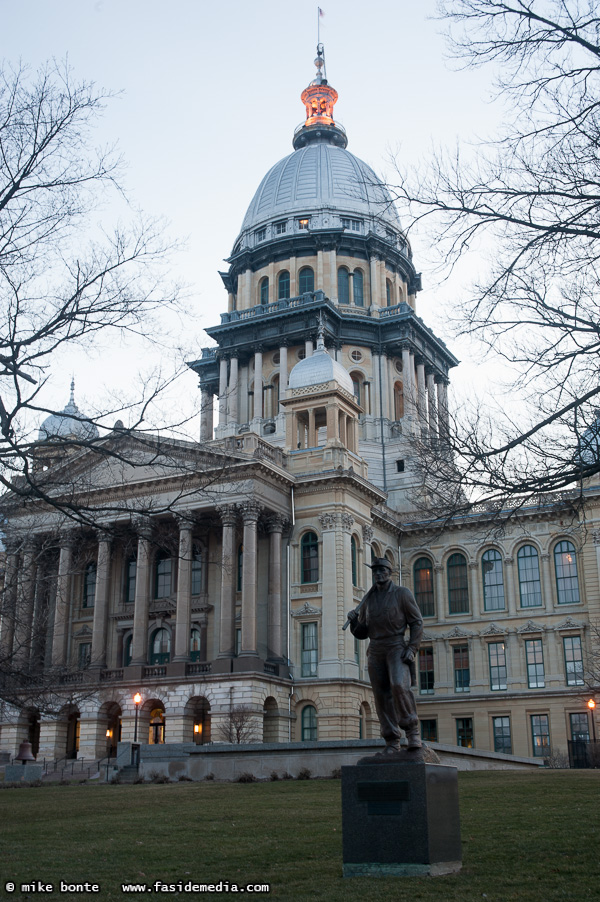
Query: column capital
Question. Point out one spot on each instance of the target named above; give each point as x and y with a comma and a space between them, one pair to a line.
183, 520
327, 521
347, 521
367, 533
250, 510
276, 523
142, 525
228, 514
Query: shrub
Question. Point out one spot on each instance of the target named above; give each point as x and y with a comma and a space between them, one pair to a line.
274, 776
246, 778
304, 774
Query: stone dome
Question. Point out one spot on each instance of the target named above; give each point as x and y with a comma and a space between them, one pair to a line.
318, 369
70, 423
323, 182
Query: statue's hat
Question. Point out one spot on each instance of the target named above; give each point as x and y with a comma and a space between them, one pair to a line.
380, 562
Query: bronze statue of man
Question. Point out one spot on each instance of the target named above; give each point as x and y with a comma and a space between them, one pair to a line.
383, 616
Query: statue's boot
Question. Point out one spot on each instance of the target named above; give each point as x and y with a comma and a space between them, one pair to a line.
413, 737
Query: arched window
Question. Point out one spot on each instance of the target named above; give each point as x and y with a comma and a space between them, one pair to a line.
306, 280
458, 585
162, 575
354, 558
194, 644
528, 566
196, 571
89, 586
358, 292
160, 652
389, 298
130, 575
309, 546
127, 651
565, 566
423, 582
343, 285
264, 291
309, 724
493, 581
398, 401
356, 385
240, 567
283, 285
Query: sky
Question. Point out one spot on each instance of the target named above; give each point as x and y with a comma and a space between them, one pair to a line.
208, 99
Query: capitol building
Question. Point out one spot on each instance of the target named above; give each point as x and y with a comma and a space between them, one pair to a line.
218, 573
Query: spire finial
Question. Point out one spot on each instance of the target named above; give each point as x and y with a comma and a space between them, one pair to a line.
321, 333
72, 398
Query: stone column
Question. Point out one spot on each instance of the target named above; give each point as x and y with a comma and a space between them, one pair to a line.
258, 385
139, 646
206, 414
232, 415
443, 419
23, 623
223, 391
374, 280
250, 515
332, 274
308, 347
421, 397
408, 384
228, 566
184, 591
9, 603
440, 595
329, 651
63, 602
203, 623
511, 589
384, 387
547, 583
474, 587
432, 404
367, 532
312, 437
99, 632
320, 281
274, 591
283, 372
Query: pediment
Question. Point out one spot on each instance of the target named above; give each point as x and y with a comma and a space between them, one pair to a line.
306, 609
570, 624
531, 627
458, 633
493, 630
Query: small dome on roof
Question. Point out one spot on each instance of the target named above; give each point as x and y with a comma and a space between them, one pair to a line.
69, 424
318, 369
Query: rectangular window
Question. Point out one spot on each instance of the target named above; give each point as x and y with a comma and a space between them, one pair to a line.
260, 234
540, 735
573, 660
238, 642
580, 727
464, 732
429, 730
497, 655
426, 676
462, 673
303, 223
84, 655
309, 650
534, 656
353, 224
502, 738
280, 228
130, 575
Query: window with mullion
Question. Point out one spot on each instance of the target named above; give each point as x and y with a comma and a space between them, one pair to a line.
530, 588
309, 558
493, 582
89, 586
534, 655
502, 737
573, 660
426, 672
423, 582
540, 735
358, 288
343, 281
497, 656
130, 577
306, 280
309, 724
462, 672
162, 576
565, 567
310, 650
580, 727
196, 571
458, 584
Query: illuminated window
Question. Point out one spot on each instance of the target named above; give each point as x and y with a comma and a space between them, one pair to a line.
458, 587
160, 647
306, 280
264, 291
194, 644
497, 656
464, 732
303, 223
280, 228
429, 730
309, 724
358, 288
283, 285
343, 285
565, 566
530, 588
540, 735
426, 676
89, 586
423, 582
310, 557
493, 582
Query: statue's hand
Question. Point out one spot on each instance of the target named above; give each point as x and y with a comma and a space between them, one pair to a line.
408, 656
352, 616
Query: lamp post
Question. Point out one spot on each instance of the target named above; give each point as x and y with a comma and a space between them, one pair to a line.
137, 698
592, 705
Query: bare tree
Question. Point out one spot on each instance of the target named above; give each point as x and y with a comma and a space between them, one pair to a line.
239, 726
531, 200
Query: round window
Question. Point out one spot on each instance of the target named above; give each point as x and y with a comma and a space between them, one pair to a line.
276, 358
356, 355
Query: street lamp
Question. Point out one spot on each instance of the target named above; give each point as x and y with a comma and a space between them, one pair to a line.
137, 698
591, 705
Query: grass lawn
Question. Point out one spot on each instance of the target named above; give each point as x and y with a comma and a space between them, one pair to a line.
533, 837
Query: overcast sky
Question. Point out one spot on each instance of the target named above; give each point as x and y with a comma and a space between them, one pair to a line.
210, 97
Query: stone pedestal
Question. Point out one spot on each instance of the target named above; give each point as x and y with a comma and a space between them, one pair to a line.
400, 819
28, 773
